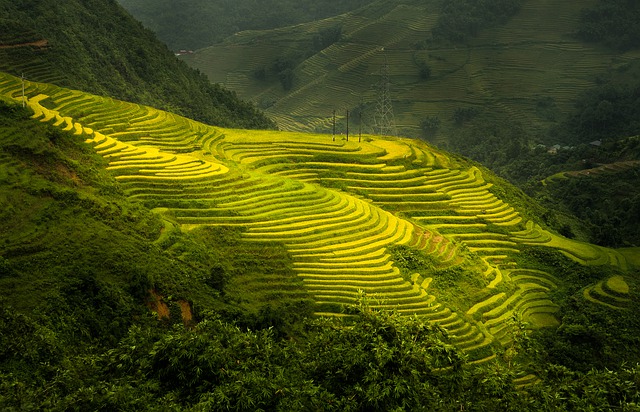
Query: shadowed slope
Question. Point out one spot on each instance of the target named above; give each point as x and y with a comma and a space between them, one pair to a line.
510, 71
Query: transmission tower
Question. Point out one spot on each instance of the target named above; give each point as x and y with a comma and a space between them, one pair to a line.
383, 118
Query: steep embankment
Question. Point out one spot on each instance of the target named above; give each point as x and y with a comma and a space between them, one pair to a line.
419, 231
529, 69
96, 46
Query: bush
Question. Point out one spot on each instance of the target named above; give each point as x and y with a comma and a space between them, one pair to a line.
615, 23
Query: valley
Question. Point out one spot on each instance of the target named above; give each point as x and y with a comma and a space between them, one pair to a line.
519, 72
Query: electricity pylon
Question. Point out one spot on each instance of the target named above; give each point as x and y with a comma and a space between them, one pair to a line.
383, 119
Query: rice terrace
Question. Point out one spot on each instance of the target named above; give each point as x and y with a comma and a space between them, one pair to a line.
393, 218
421, 205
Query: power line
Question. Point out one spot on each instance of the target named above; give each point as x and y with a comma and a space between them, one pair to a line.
24, 103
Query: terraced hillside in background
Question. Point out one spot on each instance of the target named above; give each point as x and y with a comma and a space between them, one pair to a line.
353, 214
610, 168
525, 70
26, 52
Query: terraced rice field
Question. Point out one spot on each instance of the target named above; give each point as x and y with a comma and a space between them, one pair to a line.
26, 54
338, 207
612, 293
610, 168
505, 70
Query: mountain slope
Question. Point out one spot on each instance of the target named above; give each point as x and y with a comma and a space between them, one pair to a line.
96, 46
419, 231
528, 70
202, 23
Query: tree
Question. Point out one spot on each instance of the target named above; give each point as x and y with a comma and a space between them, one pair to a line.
430, 125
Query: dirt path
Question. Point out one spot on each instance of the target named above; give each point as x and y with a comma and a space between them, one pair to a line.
39, 43
610, 167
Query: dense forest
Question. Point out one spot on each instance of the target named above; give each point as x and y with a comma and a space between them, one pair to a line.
613, 23
201, 23
104, 50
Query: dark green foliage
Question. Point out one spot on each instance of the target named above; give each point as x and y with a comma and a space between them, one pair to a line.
592, 336
374, 361
546, 108
424, 70
609, 202
326, 37
370, 361
286, 78
282, 69
430, 126
260, 74
201, 23
611, 109
97, 47
383, 361
461, 19
463, 114
13, 32
493, 143
615, 23
24, 344
411, 260
596, 390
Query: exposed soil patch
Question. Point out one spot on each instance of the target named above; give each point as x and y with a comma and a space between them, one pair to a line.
157, 305
187, 314
40, 44
69, 174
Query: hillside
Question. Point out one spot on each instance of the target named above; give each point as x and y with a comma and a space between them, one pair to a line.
347, 211
202, 23
97, 46
528, 71
266, 227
